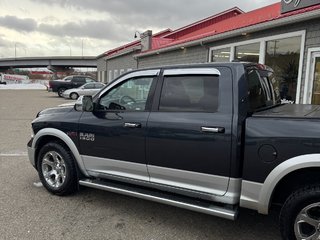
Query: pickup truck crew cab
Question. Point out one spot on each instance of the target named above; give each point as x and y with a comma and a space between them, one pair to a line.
208, 137
74, 81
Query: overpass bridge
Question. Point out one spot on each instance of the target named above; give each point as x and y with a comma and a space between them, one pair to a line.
52, 63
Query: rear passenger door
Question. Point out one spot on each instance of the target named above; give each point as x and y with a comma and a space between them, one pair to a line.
189, 130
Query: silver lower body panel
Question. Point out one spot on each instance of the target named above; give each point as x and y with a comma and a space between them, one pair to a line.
228, 212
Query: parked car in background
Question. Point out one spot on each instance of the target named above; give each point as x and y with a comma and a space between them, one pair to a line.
86, 89
59, 86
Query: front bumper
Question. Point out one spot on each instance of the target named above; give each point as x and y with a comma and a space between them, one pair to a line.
31, 153
65, 95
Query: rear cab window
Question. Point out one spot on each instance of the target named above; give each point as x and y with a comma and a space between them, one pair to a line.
263, 90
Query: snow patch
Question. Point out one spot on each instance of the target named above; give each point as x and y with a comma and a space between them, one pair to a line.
22, 86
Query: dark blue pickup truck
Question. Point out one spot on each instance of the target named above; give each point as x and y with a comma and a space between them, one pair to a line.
73, 81
207, 137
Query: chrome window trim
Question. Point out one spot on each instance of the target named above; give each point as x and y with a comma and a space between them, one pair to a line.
152, 72
66, 139
189, 71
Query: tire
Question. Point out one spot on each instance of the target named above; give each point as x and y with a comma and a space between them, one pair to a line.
74, 96
300, 214
60, 91
57, 169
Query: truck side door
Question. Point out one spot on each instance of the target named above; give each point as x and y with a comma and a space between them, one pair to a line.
190, 129
112, 137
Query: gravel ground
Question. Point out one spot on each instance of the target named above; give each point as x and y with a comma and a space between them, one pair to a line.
28, 211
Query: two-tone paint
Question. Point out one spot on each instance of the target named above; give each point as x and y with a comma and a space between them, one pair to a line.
172, 152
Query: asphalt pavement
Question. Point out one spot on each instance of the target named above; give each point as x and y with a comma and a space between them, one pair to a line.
28, 211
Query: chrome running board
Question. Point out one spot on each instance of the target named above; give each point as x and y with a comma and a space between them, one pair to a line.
162, 197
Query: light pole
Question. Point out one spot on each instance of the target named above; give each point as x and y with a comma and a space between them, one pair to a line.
15, 49
82, 46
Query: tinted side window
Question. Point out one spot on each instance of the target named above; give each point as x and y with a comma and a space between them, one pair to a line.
78, 79
195, 93
88, 80
99, 85
89, 86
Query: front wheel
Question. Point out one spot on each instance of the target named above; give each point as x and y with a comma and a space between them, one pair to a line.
74, 96
56, 169
300, 214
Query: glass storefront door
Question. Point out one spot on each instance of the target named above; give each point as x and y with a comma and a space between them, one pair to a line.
283, 56
315, 78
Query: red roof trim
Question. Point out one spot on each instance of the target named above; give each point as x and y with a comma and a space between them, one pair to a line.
261, 15
224, 23
234, 10
181, 33
135, 43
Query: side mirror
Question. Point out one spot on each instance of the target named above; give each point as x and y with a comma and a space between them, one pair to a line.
78, 104
87, 104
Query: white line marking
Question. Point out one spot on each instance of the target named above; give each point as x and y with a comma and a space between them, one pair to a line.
13, 154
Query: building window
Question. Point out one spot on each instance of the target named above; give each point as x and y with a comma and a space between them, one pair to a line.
248, 52
110, 76
115, 73
220, 55
283, 57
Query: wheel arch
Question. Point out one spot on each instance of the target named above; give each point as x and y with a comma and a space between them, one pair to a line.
290, 169
51, 134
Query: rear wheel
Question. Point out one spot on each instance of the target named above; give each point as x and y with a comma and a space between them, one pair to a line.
56, 169
74, 96
60, 91
300, 214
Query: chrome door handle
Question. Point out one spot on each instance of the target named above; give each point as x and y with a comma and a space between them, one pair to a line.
132, 125
213, 129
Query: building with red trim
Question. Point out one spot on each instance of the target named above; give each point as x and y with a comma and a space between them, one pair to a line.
285, 36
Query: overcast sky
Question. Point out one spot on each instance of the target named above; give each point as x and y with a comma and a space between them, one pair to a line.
62, 27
